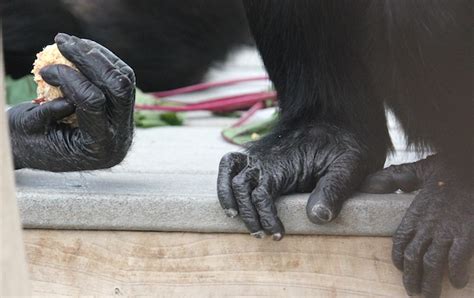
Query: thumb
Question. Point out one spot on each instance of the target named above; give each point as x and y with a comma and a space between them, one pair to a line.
52, 111
340, 180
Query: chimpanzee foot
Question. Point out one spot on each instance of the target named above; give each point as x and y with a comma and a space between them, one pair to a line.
437, 232
325, 160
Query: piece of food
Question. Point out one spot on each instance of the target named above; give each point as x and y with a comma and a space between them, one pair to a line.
50, 55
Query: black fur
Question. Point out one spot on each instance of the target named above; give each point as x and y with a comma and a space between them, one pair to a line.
335, 65
340, 61
168, 43
421, 66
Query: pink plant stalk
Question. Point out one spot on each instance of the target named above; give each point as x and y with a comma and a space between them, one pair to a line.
223, 104
205, 86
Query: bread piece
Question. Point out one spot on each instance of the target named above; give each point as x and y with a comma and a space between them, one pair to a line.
50, 55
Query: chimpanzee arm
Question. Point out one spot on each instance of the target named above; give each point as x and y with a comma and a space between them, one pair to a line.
332, 128
102, 95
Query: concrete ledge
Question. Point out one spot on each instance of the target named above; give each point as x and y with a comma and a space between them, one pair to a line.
114, 201
168, 183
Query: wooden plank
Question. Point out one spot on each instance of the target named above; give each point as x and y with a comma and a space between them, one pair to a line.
191, 264
13, 275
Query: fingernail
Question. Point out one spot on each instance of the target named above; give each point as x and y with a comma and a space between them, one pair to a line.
231, 212
277, 236
61, 38
322, 212
258, 235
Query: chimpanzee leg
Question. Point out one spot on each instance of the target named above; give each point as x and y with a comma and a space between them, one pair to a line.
332, 127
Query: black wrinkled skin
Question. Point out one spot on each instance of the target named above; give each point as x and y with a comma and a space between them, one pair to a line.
321, 159
437, 232
102, 95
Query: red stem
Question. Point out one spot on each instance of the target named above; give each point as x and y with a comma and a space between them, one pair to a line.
204, 86
221, 104
259, 105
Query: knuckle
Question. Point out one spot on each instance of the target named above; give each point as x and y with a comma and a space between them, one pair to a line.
227, 158
232, 158
429, 263
268, 222
119, 84
99, 151
101, 143
91, 96
410, 256
398, 241
238, 181
127, 70
111, 75
90, 50
59, 69
95, 100
248, 216
260, 195
401, 236
111, 154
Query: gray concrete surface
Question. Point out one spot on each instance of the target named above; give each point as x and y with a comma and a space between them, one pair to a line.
177, 202
168, 182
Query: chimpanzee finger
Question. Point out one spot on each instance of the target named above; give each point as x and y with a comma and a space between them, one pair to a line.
391, 179
116, 61
242, 185
88, 99
434, 263
48, 112
230, 165
401, 238
407, 228
263, 197
97, 67
340, 180
413, 262
55, 110
460, 253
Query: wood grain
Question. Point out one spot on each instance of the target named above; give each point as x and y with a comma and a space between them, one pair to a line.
189, 264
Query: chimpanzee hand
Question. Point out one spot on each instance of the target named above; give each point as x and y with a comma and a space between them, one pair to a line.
437, 231
323, 159
102, 95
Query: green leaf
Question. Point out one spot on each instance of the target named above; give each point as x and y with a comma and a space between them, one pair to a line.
249, 132
146, 118
20, 90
